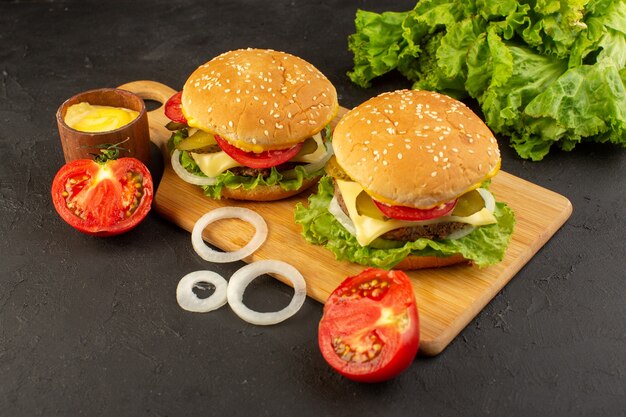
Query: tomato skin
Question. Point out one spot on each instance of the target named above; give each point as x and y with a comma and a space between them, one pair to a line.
415, 214
173, 108
103, 199
375, 314
265, 159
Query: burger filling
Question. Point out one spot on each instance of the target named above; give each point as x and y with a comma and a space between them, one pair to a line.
362, 216
440, 230
203, 155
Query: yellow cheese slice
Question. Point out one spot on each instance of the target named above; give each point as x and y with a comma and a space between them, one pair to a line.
368, 228
213, 164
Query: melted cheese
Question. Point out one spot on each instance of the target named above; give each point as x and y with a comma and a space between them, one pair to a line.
367, 228
213, 164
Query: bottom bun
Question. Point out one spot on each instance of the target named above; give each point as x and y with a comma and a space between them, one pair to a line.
266, 193
420, 262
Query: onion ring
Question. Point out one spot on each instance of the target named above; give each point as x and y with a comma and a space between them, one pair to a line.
490, 201
188, 176
240, 280
242, 213
190, 301
335, 209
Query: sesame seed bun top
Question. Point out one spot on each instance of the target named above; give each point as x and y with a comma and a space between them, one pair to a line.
259, 99
415, 148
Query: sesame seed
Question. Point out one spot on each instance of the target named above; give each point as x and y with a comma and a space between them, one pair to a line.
399, 155
433, 174
266, 133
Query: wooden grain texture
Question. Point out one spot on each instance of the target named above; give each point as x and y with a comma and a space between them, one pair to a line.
448, 298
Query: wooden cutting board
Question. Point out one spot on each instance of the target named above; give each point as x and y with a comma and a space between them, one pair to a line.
448, 298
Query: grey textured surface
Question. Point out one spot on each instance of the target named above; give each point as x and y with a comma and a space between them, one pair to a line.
91, 326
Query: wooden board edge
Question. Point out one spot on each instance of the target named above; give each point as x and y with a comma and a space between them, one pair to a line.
434, 346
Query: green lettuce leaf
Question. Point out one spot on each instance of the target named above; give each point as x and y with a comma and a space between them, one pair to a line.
484, 246
228, 179
376, 45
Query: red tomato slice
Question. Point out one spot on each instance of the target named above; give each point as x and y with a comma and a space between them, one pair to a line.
265, 159
414, 214
370, 328
103, 199
173, 108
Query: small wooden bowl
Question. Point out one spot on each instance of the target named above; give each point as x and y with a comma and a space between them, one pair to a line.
82, 145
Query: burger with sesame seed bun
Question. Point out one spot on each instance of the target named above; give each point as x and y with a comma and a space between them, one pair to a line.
252, 124
407, 186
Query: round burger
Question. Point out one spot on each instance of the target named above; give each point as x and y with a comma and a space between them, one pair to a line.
407, 186
251, 124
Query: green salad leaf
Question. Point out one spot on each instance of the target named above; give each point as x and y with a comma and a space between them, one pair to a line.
545, 72
484, 246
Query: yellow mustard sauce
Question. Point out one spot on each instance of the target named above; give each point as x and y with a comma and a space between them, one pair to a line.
95, 118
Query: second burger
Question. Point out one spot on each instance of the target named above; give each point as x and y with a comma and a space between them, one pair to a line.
251, 124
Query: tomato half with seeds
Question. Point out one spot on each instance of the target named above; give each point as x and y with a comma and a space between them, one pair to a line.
265, 159
103, 198
370, 328
415, 214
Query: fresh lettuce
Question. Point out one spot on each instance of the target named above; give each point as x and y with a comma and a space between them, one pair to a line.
230, 180
545, 72
484, 246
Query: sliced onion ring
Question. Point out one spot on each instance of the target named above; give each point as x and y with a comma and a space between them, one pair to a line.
490, 201
188, 176
335, 209
313, 166
240, 280
242, 213
190, 301
464, 231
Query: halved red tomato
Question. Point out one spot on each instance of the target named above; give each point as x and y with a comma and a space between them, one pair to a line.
265, 159
173, 108
103, 199
370, 328
415, 214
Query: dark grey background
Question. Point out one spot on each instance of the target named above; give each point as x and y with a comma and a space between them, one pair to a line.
91, 326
